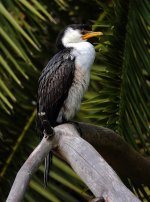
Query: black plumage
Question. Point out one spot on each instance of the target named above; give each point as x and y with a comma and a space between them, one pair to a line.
64, 78
56, 79
54, 83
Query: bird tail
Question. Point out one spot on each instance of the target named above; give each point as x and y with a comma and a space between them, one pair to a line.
48, 163
45, 128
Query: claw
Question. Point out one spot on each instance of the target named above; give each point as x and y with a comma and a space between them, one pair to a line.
48, 130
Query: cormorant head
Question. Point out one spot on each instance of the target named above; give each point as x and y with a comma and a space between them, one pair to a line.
75, 33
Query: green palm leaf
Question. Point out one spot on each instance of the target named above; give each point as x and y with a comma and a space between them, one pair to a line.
118, 96
122, 102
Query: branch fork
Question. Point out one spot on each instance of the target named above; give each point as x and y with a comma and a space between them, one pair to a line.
83, 158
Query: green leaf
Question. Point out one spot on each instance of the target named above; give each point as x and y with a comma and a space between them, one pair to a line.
32, 9
8, 69
45, 193
5, 100
8, 54
11, 43
14, 23
7, 91
43, 10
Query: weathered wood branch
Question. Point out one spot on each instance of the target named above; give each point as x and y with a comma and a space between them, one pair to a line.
121, 156
84, 159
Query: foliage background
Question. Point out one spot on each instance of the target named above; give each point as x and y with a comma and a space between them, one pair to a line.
118, 96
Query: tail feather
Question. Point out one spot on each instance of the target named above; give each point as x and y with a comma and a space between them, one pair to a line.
48, 163
45, 129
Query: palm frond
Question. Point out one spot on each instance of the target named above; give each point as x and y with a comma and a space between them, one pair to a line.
118, 96
122, 79
27, 33
18, 41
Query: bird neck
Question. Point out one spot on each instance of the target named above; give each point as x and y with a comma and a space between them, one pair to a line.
84, 53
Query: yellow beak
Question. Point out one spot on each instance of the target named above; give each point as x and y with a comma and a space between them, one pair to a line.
91, 34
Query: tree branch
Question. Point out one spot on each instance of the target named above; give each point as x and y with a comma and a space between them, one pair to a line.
84, 159
121, 156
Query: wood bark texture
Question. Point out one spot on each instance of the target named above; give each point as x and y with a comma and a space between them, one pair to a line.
83, 158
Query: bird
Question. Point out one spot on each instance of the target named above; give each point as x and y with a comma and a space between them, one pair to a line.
65, 79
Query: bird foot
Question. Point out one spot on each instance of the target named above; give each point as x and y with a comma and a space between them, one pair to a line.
48, 130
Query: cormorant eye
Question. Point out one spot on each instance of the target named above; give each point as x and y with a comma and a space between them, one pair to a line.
83, 32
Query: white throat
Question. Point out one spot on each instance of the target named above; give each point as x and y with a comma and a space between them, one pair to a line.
84, 54
83, 51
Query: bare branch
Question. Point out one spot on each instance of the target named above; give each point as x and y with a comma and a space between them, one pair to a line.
84, 159
29, 167
119, 154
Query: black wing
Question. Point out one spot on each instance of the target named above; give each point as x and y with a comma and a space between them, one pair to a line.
54, 84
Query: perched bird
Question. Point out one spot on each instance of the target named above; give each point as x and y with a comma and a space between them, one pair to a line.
66, 77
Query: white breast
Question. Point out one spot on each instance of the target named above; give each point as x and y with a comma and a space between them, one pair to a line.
85, 54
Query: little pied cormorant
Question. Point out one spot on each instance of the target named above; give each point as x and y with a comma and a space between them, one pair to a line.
65, 78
